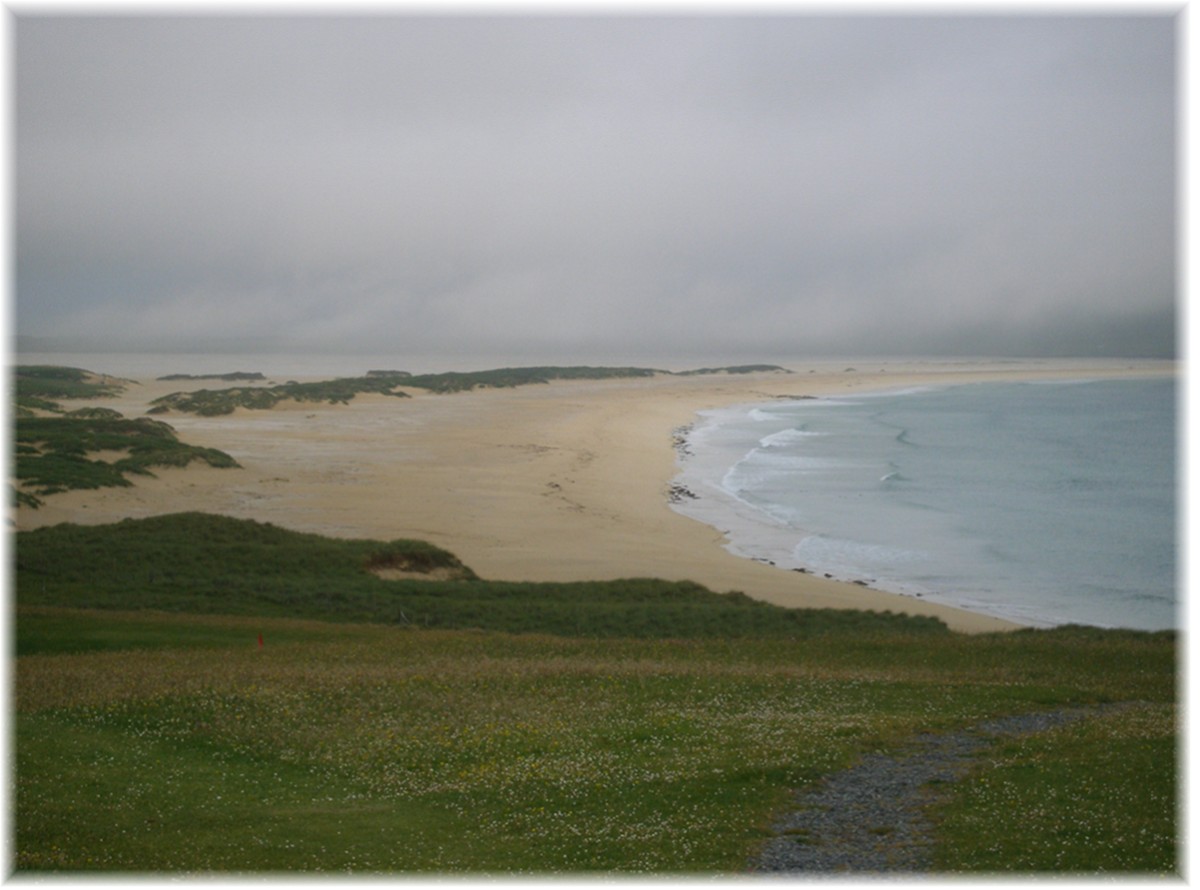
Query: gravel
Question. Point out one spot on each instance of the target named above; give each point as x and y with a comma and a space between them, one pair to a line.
871, 818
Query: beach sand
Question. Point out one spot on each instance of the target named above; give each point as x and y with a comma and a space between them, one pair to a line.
559, 482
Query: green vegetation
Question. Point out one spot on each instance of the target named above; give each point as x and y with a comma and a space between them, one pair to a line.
234, 375
52, 452
39, 386
210, 402
342, 390
195, 562
224, 401
198, 693
1096, 796
459, 381
736, 369
153, 733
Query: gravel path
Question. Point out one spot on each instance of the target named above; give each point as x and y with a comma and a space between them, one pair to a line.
871, 817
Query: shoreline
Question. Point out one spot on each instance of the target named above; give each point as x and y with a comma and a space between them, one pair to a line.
754, 533
564, 481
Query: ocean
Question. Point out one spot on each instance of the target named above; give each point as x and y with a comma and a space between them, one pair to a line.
1046, 503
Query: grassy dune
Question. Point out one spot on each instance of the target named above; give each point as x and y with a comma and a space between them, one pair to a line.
56, 448
194, 562
392, 383
41, 386
154, 732
55, 454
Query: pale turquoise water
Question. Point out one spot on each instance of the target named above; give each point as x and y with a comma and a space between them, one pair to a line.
1045, 502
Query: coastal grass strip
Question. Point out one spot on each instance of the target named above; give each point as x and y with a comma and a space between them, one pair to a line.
212, 402
231, 376
209, 402
196, 562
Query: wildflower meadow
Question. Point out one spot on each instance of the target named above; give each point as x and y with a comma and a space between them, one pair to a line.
152, 740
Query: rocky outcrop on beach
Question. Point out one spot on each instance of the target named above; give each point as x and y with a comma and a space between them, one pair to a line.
677, 493
679, 440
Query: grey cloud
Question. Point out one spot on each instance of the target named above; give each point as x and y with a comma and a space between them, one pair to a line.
709, 182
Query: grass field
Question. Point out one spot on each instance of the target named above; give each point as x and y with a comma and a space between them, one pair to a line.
1060, 801
154, 732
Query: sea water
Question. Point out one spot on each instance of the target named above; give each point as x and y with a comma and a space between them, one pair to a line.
1046, 503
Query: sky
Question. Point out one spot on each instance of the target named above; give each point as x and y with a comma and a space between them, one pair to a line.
536, 183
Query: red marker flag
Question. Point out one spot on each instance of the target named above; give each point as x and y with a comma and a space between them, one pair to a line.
260, 639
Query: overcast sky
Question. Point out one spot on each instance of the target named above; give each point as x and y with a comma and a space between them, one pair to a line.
784, 183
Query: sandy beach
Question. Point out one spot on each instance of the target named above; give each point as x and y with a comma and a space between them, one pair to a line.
564, 481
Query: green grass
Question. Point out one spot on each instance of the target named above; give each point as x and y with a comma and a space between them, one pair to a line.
459, 381
50, 630
233, 375
173, 741
225, 401
52, 453
1097, 796
40, 386
734, 369
371, 748
211, 402
212, 564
